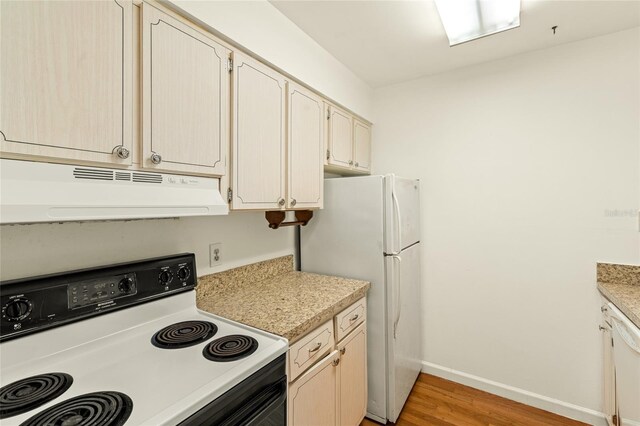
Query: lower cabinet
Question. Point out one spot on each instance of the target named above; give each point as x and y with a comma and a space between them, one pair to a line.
352, 382
333, 391
609, 378
313, 398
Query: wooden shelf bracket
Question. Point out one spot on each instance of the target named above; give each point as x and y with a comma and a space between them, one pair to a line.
276, 218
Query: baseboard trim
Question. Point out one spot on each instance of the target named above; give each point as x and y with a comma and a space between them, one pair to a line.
561, 408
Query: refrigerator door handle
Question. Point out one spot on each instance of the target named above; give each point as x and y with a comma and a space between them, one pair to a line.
396, 207
398, 293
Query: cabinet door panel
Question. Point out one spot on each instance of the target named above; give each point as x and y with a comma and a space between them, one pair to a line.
361, 146
313, 397
340, 137
306, 148
185, 96
65, 79
353, 377
258, 135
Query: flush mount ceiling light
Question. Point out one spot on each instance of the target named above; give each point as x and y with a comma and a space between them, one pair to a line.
466, 20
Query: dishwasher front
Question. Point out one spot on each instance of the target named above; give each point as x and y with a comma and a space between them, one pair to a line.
626, 354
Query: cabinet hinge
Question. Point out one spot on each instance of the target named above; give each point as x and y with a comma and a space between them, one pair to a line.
229, 195
230, 64
328, 156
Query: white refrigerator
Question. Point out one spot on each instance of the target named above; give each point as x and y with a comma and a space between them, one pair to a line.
369, 229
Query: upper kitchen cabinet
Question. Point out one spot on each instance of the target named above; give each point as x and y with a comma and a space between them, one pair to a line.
259, 136
185, 86
65, 78
361, 146
305, 175
348, 143
340, 142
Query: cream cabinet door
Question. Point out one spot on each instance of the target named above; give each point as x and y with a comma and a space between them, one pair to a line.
313, 397
361, 146
259, 160
65, 80
353, 377
340, 137
185, 100
305, 148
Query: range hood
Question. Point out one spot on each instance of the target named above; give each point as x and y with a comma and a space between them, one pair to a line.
42, 192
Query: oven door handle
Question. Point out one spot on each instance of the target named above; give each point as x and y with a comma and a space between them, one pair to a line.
260, 405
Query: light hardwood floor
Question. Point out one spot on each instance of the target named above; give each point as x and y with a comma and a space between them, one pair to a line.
435, 401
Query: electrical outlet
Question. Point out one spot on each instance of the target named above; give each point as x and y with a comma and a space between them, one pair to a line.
215, 254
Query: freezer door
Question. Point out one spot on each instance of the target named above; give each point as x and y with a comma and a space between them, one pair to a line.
402, 213
404, 338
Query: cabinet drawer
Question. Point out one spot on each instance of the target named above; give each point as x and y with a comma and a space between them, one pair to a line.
350, 318
305, 352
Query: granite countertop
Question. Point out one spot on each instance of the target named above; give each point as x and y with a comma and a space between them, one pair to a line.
621, 285
273, 297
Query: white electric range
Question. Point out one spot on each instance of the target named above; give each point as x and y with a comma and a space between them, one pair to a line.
126, 345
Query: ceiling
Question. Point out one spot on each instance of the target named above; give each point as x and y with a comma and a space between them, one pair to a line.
385, 42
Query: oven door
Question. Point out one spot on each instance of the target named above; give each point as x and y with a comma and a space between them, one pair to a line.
259, 400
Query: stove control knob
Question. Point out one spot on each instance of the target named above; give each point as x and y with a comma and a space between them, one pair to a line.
125, 285
183, 273
17, 309
165, 277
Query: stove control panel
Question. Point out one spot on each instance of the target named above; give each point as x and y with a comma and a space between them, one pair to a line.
98, 290
33, 304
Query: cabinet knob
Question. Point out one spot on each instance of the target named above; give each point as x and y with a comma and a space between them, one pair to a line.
342, 351
357, 164
293, 202
602, 328
336, 362
281, 202
121, 152
351, 162
156, 158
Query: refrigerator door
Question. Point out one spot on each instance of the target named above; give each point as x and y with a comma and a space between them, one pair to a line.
346, 239
402, 211
404, 340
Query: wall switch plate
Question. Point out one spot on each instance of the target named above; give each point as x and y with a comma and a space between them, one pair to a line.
215, 254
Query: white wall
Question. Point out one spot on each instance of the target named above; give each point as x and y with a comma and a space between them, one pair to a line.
29, 250
523, 162
261, 28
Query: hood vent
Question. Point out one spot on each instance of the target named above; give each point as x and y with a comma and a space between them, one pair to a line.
81, 173
147, 177
43, 192
126, 176
105, 174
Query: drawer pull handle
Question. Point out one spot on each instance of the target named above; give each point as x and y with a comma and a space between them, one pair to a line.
316, 348
342, 351
355, 317
336, 362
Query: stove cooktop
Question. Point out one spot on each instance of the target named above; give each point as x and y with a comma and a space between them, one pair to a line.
32, 392
162, 386
95, 409
184, 334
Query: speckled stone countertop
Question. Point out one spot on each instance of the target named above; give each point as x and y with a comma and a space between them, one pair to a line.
273, 297
621, 285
